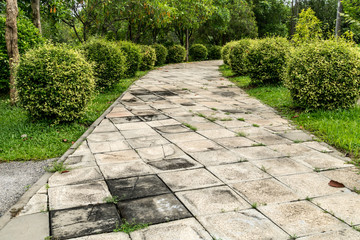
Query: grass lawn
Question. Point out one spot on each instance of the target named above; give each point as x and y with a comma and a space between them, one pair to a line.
339, 128
43, 140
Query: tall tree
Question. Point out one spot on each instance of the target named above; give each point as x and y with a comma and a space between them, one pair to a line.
338, 19
11, 38
35, 7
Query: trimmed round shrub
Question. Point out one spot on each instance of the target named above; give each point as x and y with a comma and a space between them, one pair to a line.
214, 52
148, 57
55, 82
225, 51
161, 54
198, 52
28, 37
109, 62
266, 59
237, 59
176, 54
323, 75
133, 57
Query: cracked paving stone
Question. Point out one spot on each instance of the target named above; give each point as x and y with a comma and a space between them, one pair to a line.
301, 218
153, 210
105, 137
160, 152
98, 147
173, 129
149, 141
246, 224
212, 200
137, 187
125, 169
75, 176
78, 222
185, 229
117, 157
158, 117
129, 119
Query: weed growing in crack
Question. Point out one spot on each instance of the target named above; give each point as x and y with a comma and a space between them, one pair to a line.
59, 167
190, 126
112, 199
240, 134
241, 119
127, 227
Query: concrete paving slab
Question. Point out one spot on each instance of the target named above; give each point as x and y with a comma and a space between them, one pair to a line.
174, 164
189, 179
212, 200
301, 218
75, 176
137, 187
350, 177
216, 157
165, 122
105, 236
117, 157
125, 169
100, 147
78, 161
246, 224
70, 196
105, 126
78, 222
265, 191
172, 129
237, 172
217, 133
29, 227
348, 210
294, 149
235, 142
344, 234
37, 204
132, 126
257, 153
321, 161
153, 210
185, 229
321, 147
149, 141
137, 133
282, 166
128, 119
297, 136
310, 185
184, 137
160, 152
106, 136
198, 146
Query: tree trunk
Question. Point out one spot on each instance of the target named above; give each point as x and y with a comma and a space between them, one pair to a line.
294, 16
11, 38
187, 44
35, 6
338, 20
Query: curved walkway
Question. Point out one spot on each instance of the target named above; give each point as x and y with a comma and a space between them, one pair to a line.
193, 155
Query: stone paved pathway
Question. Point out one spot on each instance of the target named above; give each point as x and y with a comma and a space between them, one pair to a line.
245, 173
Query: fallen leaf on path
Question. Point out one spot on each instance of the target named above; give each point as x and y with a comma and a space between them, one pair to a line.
64, 171
336, 184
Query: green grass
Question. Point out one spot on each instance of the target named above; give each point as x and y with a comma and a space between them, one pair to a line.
127, 227
190, 126
340, 128
44, 140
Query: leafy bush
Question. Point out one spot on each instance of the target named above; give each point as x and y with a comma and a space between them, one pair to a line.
308, 27
55, 82
214, 52
266, 60
28, 37
109, 61
225, 51
161, 54
176, 54
237, 57
133, 57
323, 74
148, 57
198, 52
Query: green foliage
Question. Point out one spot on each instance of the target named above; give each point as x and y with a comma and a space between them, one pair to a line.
109, 61
133, 57
56, 166
225, 51
54, 82
198, 52
127, 227
238, 56
28, 37
266, 59
161, 54
324, 74
176, 54
214, 52
148, 57
308, 27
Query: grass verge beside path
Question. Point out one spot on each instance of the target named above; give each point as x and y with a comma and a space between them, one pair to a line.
339, 128
22, 139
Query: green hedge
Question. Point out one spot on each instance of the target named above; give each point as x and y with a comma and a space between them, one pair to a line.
55, 82
214, 52
161, 54
176, 54
148, 57
237, 57
324, 75
133, 57
28, 37
225, 51
266, 59
109, 61
198, 52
